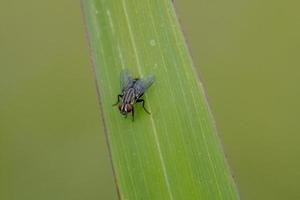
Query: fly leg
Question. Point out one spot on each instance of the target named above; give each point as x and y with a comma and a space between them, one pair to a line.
119, 96
143, 101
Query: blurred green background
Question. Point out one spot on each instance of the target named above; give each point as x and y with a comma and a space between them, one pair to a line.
51, 141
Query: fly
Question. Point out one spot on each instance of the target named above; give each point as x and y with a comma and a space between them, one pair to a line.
132, 90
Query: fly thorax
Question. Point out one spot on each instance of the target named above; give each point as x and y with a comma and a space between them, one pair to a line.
129, 96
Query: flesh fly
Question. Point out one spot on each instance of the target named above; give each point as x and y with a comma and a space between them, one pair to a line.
132, 90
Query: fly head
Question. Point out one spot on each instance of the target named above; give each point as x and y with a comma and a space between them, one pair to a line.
125, 108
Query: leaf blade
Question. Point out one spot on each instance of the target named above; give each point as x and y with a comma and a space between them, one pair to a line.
174, 153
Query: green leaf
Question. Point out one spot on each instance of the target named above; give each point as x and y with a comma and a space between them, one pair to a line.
174, 153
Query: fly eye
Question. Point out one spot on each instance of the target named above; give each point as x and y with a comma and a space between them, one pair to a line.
120, 107
129, 107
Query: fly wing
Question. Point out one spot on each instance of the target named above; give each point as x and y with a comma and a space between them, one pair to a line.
141, 85
126, 79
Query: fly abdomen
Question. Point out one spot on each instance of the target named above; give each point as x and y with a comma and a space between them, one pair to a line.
138, 88
129, 96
